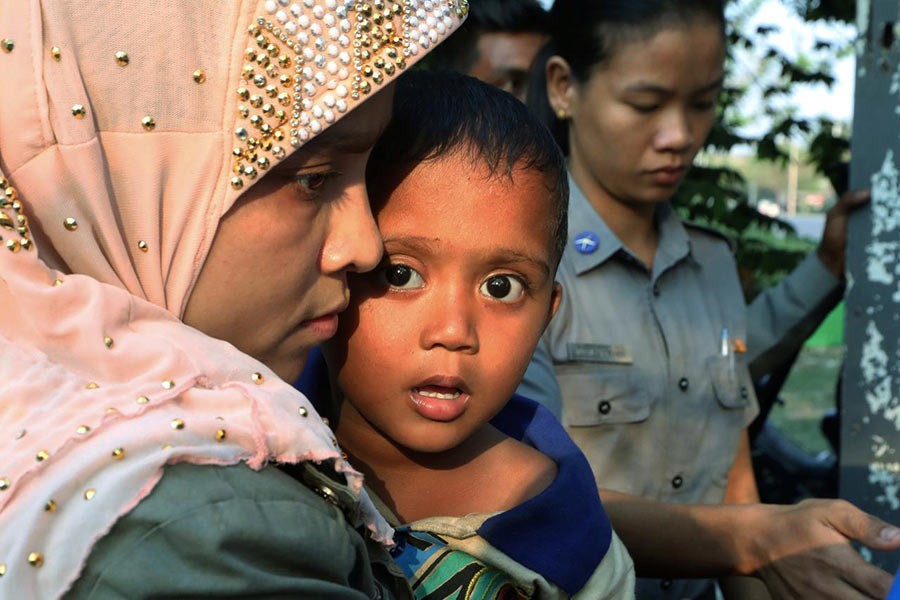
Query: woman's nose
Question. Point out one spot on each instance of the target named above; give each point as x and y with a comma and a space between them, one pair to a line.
353, 242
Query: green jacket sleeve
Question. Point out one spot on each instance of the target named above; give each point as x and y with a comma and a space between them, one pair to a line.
231, 532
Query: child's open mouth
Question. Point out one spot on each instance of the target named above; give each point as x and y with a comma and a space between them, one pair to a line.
440, 395
439, 403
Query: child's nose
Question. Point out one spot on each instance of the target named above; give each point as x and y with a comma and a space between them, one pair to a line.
451, 325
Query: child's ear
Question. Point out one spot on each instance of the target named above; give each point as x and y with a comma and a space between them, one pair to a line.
555, 298
560, 86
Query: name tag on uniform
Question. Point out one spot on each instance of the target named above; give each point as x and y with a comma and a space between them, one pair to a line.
600, 353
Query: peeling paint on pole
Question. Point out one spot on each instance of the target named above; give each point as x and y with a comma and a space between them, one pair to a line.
870, 417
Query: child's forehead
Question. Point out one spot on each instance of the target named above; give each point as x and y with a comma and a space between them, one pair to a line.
454, 193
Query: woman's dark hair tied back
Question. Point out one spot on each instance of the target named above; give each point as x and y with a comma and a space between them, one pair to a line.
586, 33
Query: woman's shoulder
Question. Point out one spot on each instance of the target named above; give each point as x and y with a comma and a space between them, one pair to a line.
217, 529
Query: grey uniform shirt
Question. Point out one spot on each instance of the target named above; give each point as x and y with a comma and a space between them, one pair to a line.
648, 392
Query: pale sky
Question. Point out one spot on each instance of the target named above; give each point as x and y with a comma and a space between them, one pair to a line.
795, 37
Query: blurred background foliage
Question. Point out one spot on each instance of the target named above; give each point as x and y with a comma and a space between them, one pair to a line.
767, 248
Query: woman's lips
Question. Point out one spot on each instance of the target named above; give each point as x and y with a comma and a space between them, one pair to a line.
323, 327
439, 403
668, 175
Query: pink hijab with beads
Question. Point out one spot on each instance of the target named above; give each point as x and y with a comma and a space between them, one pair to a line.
127, 130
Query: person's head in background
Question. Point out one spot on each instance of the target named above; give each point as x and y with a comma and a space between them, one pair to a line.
470, 195
631, 92
497, 43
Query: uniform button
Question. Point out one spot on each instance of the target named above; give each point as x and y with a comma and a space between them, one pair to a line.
745, 393
683, 384
603, 408
656, 290
677, 482
665, 584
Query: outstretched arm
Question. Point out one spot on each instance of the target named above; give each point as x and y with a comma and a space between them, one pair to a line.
781, 318
832, 250
800, 551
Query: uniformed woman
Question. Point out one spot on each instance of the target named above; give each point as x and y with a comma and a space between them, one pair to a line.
652, 342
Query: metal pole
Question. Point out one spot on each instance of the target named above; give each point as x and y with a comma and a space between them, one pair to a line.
870, 393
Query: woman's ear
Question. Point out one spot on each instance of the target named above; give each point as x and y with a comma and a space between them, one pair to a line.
560, 85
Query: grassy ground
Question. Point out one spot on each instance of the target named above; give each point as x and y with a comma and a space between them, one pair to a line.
808, 394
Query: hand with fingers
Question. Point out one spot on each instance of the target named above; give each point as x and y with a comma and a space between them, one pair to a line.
832, 249
805, 551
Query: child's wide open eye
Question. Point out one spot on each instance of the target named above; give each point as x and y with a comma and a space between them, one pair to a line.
402, 277
505, 288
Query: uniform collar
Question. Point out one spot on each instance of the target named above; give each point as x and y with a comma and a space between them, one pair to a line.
674, 243
584, 218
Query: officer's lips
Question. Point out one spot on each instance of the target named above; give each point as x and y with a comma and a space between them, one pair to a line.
668, 175
440, 398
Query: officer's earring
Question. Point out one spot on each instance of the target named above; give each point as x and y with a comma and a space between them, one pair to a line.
561, 114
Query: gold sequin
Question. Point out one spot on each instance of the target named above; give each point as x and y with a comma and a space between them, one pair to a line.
148, 123
56, 53
143, 400
57, 282
303, 412
118, 453
326, 421
177, 424
142, 246
237, 183
92, 386
257, 378
220, 435
50, 506
41, 456
199, 76
4, 484
7, 44
70, 224
108, 342
83, 430
90, 493
2, 569
168, 384
78, 111
36, 559
122, 58
13, 245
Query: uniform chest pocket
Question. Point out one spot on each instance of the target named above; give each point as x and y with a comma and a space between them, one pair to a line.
731, 382
594, 396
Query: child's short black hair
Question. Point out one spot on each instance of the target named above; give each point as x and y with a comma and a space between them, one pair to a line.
437, 113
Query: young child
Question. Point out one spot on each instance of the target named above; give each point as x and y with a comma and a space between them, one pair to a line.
469, 193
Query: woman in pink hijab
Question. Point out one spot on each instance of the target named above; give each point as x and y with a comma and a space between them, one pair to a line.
181, 197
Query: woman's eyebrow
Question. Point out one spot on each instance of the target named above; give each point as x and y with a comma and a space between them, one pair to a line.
647, 87
353, 142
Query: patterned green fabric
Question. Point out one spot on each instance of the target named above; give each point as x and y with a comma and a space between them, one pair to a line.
436, 572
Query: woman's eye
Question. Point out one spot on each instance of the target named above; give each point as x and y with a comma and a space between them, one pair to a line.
644, 108
311, 181
505, 288
403, 277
